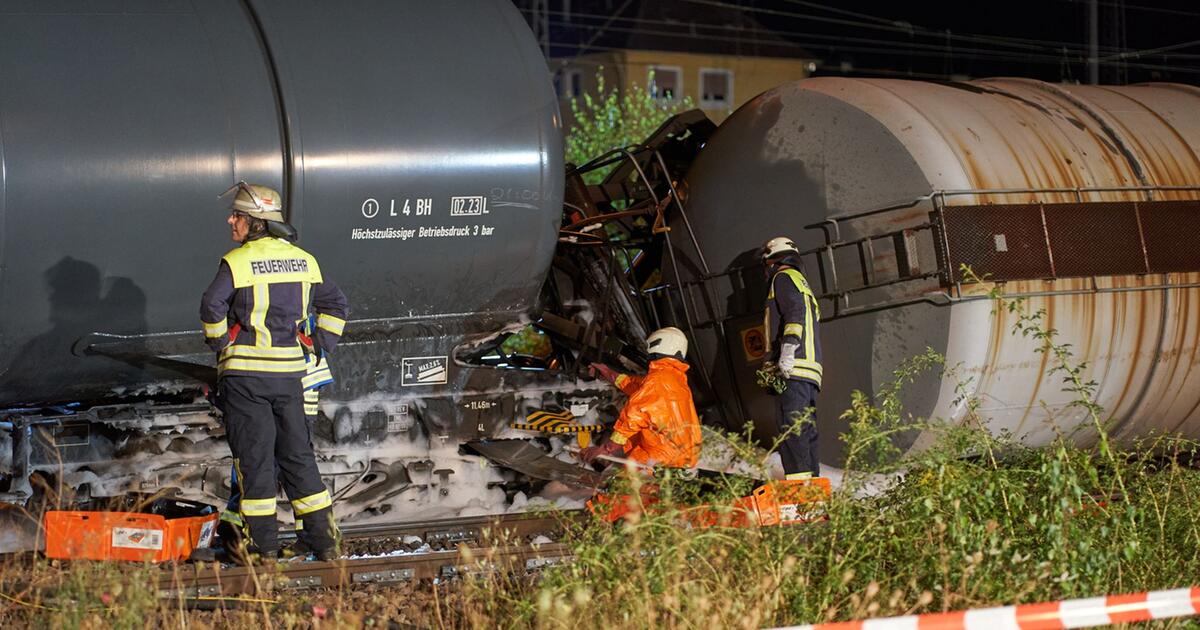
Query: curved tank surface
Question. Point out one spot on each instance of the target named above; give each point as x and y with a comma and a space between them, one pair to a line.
822, 149
404, 136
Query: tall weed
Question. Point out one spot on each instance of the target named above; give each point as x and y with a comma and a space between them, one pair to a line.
974, 520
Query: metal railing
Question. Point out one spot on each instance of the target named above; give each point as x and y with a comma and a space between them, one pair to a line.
935, 281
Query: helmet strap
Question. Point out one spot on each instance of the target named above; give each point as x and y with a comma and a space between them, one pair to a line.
257, 229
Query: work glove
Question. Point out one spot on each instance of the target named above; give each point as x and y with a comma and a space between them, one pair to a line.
787, 358
605, 372
592, 453
769, 378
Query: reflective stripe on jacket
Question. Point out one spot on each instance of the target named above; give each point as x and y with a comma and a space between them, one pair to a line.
266, 287
791, 316
659, 423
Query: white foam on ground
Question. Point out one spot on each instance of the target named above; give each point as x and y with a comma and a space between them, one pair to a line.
866, 484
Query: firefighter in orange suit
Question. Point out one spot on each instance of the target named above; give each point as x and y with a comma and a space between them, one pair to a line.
658, 425
266, 289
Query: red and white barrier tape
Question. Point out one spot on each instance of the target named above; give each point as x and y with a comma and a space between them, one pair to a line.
1072, 613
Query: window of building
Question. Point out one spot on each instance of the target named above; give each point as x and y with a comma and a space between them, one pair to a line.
666, 82
569, 83
716, 88
574, 83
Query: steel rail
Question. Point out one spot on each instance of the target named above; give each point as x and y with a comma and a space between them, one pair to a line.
194, 582
453, 531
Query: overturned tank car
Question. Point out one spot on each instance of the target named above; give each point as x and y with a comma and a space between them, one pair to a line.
913, 201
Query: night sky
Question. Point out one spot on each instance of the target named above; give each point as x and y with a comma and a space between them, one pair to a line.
1044, 39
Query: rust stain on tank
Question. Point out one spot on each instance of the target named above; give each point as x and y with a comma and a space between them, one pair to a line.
1018, 134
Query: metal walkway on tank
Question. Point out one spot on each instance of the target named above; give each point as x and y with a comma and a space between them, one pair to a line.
993, 243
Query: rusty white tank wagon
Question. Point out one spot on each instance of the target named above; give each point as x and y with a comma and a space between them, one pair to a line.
1082, 198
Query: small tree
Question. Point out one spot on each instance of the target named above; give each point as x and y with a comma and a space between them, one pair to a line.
612, 120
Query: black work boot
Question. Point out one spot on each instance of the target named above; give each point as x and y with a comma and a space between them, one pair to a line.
229, 536
245, 556
318, 535
301, 549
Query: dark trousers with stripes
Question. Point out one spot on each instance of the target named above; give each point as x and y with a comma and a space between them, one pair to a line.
799, 450
264, 420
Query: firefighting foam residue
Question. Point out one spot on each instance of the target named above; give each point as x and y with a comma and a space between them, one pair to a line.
18, 529
721, 452
6, 445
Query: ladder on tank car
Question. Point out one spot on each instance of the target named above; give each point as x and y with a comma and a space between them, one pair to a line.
930, 261
940, 247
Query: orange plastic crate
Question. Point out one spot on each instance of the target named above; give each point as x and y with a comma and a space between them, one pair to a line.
741, 513
614, 507
795, 501
128, 536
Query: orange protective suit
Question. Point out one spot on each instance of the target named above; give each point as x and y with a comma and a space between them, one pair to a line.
659, 424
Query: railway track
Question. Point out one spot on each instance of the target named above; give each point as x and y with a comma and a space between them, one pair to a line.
511, 544
454, 531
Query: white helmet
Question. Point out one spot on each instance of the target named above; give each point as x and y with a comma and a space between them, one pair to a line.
668, 341
778, 246
257, 201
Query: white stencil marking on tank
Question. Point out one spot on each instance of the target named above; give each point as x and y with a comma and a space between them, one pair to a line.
424, 370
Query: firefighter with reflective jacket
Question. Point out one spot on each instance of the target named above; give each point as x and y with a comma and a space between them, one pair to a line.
658, 425
265, 289
790, 324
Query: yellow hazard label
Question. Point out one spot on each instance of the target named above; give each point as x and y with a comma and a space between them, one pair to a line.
553, 422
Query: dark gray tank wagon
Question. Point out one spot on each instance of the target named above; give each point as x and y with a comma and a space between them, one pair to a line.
416, 144
419, 150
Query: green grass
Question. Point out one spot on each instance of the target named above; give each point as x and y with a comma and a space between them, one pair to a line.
975, 520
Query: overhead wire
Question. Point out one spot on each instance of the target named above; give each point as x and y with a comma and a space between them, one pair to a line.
891, 47
770, 33
1153, 51
946, 33
1138, 7
895, 28
883, 47
600, 31
1118, 51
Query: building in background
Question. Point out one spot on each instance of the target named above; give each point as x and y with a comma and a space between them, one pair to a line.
718, 57
1066, 41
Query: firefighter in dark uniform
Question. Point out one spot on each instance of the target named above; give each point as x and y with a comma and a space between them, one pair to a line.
231, 529
266, 289
790, 324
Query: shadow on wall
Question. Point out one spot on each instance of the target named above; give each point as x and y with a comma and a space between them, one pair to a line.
82, 301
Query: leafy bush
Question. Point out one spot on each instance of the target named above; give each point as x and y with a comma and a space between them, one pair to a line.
612, 120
